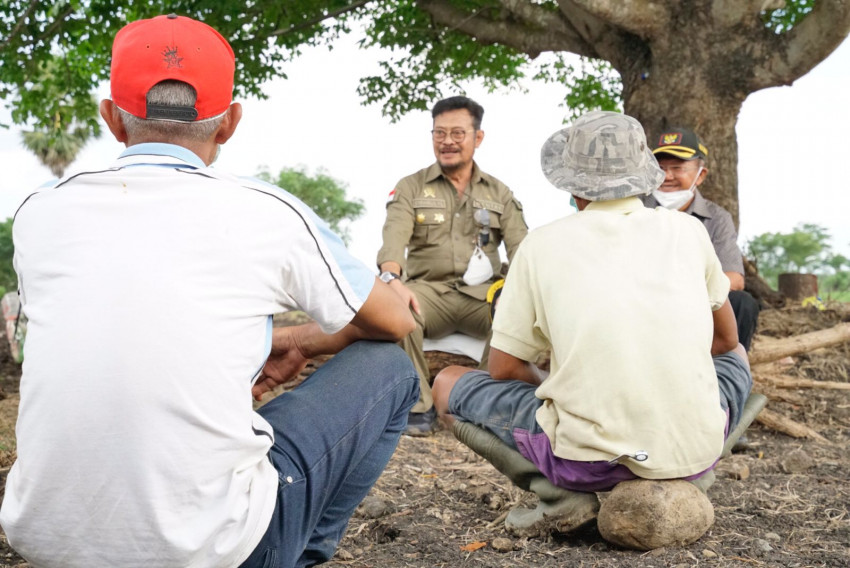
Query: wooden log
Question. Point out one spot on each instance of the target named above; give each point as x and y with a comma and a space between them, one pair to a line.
797, 383
766, 350
797, 287
776, 421
774, 394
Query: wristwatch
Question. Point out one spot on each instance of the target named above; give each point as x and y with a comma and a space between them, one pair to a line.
388, 276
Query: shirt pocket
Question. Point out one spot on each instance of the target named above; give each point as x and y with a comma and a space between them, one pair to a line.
429, 218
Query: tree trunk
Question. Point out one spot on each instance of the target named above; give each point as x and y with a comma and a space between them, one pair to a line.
759, 289
797, 287
679, 85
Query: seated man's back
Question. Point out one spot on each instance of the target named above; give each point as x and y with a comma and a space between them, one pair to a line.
626, 309
144, 300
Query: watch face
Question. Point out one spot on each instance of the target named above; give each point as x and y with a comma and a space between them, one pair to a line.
387, 276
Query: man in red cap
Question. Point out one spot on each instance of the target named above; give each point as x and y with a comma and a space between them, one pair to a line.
150, 328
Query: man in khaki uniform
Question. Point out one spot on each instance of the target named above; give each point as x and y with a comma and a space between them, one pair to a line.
443, 216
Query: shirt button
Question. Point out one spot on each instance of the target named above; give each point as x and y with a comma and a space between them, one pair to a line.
457, 214
289, 479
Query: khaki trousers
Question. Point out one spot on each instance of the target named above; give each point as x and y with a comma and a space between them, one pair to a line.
444, 311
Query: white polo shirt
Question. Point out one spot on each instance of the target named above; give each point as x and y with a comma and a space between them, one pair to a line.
149, 288
623, 296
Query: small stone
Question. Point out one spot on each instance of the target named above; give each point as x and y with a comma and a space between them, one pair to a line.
373, 507
772, 536
495, 502
502, 544
709, 553
344, 555
734, 468
796, 461
646, 514
761, 547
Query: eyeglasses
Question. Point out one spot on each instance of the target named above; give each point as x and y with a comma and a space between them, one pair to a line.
678, 170
458, 134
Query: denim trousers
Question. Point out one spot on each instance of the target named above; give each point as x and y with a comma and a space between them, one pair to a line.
334, 435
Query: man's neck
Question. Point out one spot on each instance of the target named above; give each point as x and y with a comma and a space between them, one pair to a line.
459, 178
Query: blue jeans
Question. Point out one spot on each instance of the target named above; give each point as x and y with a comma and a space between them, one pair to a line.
334, 435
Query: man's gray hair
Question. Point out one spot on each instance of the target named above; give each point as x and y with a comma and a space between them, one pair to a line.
170, 93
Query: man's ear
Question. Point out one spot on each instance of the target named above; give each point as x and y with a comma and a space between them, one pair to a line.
479, 137
701, 177
229, 123
112, 116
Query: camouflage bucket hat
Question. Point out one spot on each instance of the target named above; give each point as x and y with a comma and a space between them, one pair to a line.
601, 157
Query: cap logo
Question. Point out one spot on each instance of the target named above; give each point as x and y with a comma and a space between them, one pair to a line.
670, 138
171, 58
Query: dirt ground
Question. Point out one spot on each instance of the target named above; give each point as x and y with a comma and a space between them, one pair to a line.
781, 502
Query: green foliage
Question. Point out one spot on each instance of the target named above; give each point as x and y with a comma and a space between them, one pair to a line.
8, 278
63, 47
783, 19
594, 85
805, 249
53, 54
429, 60
322, 193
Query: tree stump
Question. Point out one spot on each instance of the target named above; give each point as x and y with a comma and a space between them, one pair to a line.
759, 289
797, 287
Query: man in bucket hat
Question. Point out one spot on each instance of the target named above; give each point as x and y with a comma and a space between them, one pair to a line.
683, 156
632, 304
151, 327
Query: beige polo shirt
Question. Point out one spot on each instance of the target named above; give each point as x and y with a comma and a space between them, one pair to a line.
623, 296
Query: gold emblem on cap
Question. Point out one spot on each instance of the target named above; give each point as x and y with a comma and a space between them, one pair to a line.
420, 218
672, 138
439, 217
428, 192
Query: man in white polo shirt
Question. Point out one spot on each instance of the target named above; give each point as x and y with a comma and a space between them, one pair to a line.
150, 286
646, 373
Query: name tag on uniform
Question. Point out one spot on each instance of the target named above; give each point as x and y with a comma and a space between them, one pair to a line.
430, 203
490, 205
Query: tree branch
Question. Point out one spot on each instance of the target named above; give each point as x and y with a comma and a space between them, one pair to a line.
804, 46
536, 31
643, 18
313, 21
21, 21
730, 12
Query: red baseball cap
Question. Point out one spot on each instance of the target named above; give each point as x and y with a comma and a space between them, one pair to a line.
147, 52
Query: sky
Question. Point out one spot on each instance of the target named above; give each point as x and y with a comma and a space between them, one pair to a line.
791, 140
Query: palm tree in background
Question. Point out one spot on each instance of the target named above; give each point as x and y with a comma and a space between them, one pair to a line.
57, 147
66, 121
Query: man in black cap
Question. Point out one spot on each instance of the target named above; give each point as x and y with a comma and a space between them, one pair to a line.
682, 156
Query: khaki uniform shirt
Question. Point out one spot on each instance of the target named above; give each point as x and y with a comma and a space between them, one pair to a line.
426, 218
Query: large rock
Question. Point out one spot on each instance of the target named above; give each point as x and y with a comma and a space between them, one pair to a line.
646, 514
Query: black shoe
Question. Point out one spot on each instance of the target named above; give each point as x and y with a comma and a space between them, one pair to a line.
421, 423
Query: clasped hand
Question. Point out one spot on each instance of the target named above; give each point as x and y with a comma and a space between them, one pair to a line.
286, 360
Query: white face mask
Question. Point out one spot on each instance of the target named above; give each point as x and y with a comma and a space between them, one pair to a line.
675, 200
